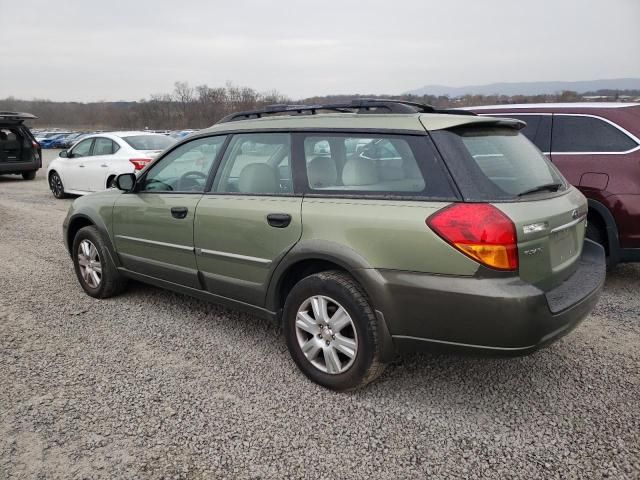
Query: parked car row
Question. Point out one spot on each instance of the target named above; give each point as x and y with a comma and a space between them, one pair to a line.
479, 217
65, 139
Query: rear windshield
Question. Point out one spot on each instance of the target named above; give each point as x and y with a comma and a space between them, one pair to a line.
495, 163
149, 142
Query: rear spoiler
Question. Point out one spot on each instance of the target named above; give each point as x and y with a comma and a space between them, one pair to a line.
451, 121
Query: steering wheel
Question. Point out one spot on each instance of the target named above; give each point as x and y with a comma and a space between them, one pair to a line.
187, 180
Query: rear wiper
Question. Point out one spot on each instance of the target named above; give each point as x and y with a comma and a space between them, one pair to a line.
550, 187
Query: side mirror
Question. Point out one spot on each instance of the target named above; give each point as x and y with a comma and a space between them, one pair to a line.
64, 154
126, 182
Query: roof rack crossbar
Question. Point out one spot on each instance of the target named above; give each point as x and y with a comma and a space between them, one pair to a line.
359, 105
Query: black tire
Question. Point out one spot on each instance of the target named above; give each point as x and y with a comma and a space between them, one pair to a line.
111, 182
56, 186
596, 233
111, 281
341, 287
30, 175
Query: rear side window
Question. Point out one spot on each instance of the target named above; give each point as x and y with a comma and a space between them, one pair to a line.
587, 134
373, 164
104, 146
495, 163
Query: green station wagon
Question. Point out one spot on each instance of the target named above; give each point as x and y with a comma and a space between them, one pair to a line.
367, 228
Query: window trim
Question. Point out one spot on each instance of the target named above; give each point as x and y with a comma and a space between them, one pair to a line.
301, 181
554, 114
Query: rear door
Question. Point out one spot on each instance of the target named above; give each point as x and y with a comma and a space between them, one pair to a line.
153, 226
250, 219
98, 165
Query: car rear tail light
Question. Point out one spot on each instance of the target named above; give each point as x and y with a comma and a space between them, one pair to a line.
139, 163
480, 231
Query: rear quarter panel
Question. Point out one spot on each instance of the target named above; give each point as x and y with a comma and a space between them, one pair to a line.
387, 234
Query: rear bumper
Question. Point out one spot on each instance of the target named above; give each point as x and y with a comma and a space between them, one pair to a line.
503, 314
18, 167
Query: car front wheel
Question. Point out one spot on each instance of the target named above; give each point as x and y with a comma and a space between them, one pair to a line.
56, 186
331, 331
94, 268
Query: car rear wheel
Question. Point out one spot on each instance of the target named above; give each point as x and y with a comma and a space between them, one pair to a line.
56, 186
30, 175
331, 331
94, 268
111, 182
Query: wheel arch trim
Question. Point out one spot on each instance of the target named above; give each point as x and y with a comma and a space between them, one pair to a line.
611, 229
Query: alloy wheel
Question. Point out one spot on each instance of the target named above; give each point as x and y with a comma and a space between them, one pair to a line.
89, 263
326, 334
56, 185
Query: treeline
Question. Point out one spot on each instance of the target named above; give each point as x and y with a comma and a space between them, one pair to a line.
185, 107
202, 106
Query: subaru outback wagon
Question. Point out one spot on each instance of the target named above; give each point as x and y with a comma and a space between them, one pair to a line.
367, 228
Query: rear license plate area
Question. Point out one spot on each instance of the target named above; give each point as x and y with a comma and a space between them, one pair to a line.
564, 246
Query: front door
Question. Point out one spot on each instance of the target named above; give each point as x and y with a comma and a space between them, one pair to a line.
74, 176
250, 219
153, 226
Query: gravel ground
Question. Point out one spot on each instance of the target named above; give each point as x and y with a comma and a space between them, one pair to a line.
153, 384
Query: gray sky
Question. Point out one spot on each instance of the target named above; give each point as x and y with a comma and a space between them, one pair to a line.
126, 50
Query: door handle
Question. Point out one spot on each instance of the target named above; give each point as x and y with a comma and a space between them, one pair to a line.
179, 212
81, 166
279, 220
104, 165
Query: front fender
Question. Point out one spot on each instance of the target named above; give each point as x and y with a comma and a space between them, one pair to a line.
94, 209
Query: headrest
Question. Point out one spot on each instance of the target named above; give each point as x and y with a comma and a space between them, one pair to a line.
359, 171
258, 178
322, 172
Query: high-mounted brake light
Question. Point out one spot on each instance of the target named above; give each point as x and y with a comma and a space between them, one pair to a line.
480, 231
139, 163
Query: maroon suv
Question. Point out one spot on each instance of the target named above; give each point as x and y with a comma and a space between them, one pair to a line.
597, 148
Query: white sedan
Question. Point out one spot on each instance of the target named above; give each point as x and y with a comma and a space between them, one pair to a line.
93, 163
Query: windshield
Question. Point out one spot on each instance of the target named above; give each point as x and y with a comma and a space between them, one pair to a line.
497, 163
149, 142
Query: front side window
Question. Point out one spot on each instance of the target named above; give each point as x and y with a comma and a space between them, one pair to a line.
82, 149
588, 134
363, 163
256, 163
184, 169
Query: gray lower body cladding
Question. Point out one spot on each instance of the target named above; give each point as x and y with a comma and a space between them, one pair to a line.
504, 314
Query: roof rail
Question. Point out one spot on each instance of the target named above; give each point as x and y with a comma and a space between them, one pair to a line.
359, 105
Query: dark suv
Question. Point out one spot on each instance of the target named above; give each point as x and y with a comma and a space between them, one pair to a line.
596, 146
19, 151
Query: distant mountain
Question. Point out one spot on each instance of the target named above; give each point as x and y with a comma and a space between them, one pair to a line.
530, 88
